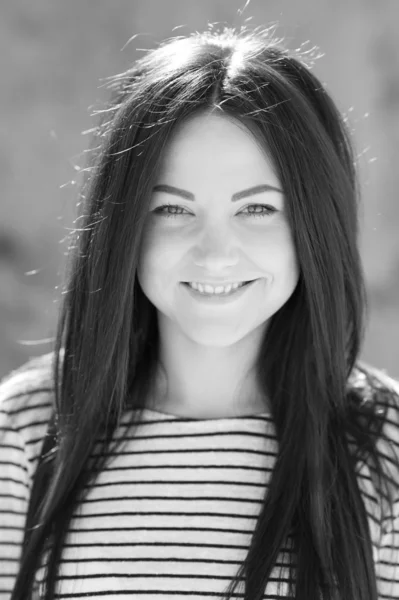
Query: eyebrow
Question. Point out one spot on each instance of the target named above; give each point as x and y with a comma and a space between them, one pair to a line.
257, 189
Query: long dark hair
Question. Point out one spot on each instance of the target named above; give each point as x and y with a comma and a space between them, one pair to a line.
105, 359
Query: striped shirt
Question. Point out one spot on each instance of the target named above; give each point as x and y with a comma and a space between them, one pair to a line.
173, 513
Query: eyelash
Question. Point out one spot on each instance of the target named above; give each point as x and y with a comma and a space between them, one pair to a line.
269, 210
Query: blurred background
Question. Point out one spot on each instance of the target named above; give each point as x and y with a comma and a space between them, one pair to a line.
54, 57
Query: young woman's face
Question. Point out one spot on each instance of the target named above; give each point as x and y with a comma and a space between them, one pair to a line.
215, 233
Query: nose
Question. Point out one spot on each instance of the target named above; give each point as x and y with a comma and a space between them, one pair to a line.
216, 250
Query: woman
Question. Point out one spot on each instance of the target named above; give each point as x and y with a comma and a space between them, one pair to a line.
214, 431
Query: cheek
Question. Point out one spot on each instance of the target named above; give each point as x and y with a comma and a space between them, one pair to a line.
290, 260
147, 259
275, 248
159, 256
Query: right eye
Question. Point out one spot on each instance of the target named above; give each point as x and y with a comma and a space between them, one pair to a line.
159, 210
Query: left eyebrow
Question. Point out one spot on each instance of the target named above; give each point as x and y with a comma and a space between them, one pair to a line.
257, 189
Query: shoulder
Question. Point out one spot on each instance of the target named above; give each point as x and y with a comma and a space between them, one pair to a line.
26, 404
27, 386
371, 382
33, 373
376, 393
376, 396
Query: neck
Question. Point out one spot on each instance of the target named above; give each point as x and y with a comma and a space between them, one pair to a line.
199, 377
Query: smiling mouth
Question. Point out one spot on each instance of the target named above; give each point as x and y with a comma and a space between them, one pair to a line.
219, 296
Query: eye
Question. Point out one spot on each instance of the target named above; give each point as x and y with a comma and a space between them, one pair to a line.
159, 210
268, 210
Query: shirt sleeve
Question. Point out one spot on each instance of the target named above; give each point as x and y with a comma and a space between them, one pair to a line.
25, 407
387, 567
14, 497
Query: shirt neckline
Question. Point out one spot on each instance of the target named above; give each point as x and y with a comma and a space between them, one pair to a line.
200, 419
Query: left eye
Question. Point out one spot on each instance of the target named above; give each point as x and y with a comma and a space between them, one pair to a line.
268, 210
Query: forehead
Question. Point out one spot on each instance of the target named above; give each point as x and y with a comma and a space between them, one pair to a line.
215, 143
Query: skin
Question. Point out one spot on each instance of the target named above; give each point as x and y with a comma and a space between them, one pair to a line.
208, 351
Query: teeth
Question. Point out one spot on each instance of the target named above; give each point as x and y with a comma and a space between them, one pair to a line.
209, 289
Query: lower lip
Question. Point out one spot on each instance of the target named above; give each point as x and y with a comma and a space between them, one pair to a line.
218, 299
